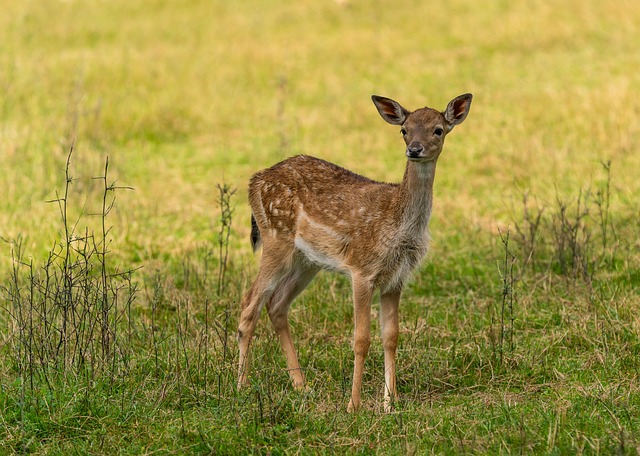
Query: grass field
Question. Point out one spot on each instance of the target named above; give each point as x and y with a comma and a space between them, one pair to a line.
119, 288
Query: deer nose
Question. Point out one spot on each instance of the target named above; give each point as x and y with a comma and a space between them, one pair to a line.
414, 150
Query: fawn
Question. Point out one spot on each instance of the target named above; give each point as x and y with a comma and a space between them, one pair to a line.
310, 214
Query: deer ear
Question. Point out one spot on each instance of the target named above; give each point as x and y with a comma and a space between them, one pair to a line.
457, 109
390, 110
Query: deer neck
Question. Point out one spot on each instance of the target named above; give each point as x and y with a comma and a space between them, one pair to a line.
416, 195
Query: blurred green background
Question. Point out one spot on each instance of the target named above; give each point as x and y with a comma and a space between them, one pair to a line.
186, 94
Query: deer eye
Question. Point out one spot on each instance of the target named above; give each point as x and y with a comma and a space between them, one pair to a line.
438, 131
404, 132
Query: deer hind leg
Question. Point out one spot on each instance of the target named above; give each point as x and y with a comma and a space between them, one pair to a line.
389, 327
272, 268
362, 295
290, 286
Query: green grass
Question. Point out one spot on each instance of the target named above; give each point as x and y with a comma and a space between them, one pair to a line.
538, 354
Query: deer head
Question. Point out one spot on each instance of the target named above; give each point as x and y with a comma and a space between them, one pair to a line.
424, 129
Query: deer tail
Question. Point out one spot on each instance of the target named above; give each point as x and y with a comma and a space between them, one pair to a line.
256, 238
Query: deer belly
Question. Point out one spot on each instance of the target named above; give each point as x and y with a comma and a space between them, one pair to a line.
320, 244
318, 256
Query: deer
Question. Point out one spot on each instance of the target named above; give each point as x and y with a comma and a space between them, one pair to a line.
310, 215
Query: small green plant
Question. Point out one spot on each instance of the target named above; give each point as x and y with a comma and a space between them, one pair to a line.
226, 218
602, 200
508, 297
528, 231
573, 238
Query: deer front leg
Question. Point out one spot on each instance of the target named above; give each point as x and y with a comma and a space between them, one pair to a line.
362, 294
389, 327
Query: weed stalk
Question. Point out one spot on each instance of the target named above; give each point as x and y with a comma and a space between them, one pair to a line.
508, 282
226, 217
